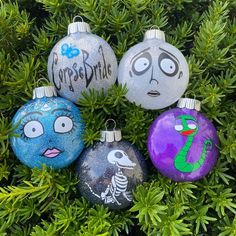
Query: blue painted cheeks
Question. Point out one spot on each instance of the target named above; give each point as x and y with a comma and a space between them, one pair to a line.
69, 51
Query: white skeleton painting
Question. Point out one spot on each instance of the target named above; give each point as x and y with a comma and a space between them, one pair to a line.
119, 181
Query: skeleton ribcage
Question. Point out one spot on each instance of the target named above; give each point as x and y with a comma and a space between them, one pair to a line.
120, 182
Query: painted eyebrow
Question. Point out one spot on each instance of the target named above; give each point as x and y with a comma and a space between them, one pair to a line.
186, 117
139, 53
31, 113
60, 109
170, 54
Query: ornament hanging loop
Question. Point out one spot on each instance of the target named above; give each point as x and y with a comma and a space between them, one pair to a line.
154, 33
45, 90
78, 26
42, 79
110, 135
155, 27
107, 123
78, 16
190, 93
189, 103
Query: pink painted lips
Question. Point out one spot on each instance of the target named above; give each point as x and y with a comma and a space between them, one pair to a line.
51, 153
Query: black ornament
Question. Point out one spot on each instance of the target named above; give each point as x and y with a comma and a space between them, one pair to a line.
110, 170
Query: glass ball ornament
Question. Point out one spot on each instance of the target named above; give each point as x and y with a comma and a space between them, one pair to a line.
81, 61
182, 142
110, 170
155, 72
49, 130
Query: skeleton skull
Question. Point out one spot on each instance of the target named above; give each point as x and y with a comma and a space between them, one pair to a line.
120, 159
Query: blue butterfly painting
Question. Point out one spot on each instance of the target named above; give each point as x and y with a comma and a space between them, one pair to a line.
69, 51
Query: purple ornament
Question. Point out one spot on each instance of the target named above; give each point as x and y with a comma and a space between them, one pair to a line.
182, 143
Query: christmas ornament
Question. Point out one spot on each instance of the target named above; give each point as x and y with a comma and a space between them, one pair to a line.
50, 130
182, 142
81, 61
155, 72
110, 170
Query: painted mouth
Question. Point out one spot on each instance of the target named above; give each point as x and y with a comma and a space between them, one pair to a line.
153, 93
187, 132
51, 153
127, 167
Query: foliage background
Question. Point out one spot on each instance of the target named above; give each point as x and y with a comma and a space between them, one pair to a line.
45, 202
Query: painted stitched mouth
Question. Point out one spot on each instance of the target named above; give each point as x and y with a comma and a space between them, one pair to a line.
153, 93
187, 132
51, 153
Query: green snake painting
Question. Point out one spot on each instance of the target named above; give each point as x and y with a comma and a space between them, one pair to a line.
188, 127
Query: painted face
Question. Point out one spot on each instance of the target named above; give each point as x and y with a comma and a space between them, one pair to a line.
182, 144
186, 125
120, 159
155, 73
50, 133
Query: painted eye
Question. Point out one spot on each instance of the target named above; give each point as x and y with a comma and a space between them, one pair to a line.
192, 126
118, 155
33, 129
142, 63
63, 124
168, 65
178, 127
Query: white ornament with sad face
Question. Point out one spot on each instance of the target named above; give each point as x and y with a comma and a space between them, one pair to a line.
155, 72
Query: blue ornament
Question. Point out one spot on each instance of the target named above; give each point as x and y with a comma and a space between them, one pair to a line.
49, 130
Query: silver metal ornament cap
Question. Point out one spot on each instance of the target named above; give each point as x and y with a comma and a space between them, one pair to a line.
189, 103
110, 135
76, 27
44, 91
154, 34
